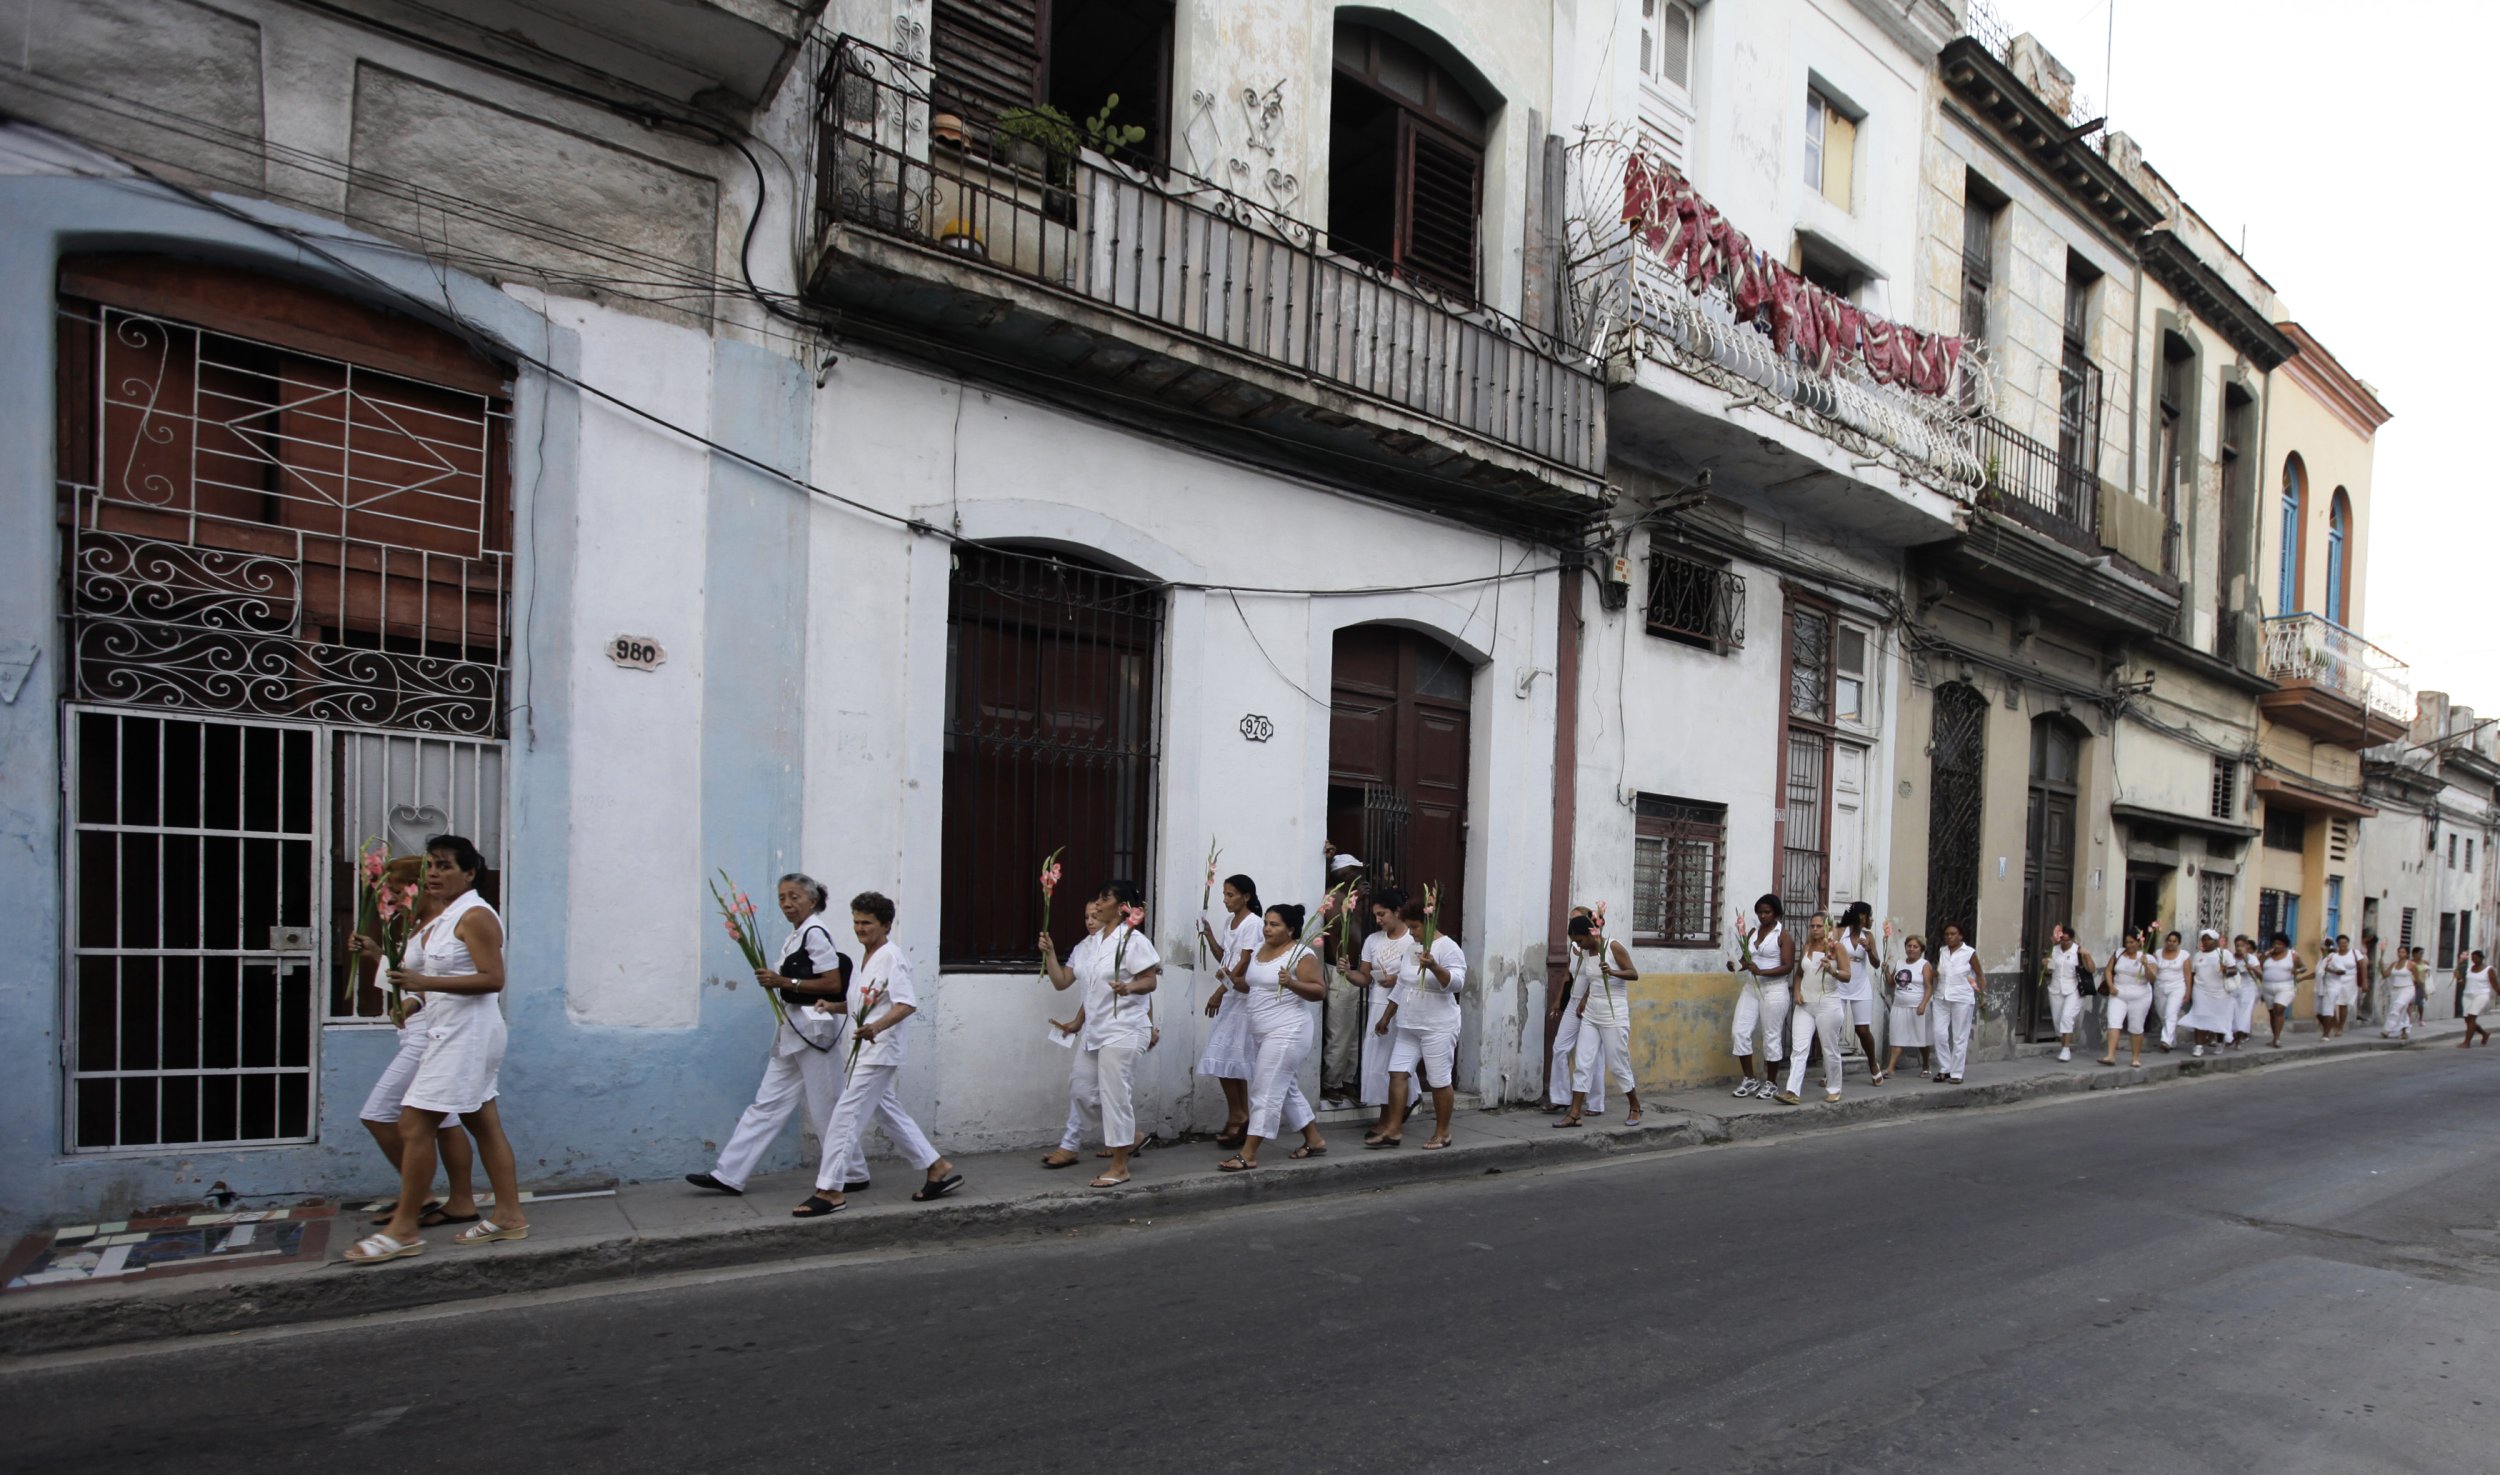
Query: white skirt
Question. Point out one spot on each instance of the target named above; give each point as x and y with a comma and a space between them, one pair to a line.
463, 1054
2477, 1000
2210, 1010
1228, 1054
1909, 1027
390, 1089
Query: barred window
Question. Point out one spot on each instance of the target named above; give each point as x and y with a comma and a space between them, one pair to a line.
2404, 930
2286, 829
2226, 788
1679, 868
1696, 603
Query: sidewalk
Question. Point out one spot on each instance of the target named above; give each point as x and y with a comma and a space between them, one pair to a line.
650, 1228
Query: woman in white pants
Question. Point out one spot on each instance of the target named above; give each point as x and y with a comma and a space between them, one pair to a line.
380, 1113
2170, 986
2400, 987
2477, 998
2068, 969
1279, 978
1226, 1058
2210, 970
1857, 991
1599, 970
805, 1061
2130, 983
1115, 969
1768, 961
1912, 979
887, 998
1958, 982
2279, 972
1561, 1075
1820, 1012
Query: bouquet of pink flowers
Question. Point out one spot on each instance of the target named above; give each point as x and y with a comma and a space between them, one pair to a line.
869, 999
1432, 915
1050, 883
738, 920
388, 914
1206, 893
1337, 903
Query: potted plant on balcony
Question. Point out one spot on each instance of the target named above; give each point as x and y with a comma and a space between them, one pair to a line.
1039, 141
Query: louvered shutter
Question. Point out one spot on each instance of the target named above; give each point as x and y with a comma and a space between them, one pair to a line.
1437, 221
988, 55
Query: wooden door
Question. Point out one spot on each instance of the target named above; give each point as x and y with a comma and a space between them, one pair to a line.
1397, 760
2048, 863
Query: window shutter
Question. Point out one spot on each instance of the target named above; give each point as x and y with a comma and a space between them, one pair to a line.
1675, 44
988, 55
1438, 228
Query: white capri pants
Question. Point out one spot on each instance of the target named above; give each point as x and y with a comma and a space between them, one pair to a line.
1424, 1054
1275, 1092
2127, 1008
1605, 1051
1828, 1018
2067, 1004
2170, 996
1948, 1021
390, 1089
1564, 1075
809, 1073
868, 1096
1763, 1004
1101, 1097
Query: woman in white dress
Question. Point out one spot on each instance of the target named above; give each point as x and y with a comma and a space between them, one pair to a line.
2279, 972
1958, 982
2402, 983
1768, 960
1380, 973
1912, 978
2244, 990
2170, 986
380, 1113
462, 954
2477, 999
806, 1061
1603, 1014
2210, 971
2130, 984
1279, 980
1227, 1054
2338, 968
2068, 972
1820, 1013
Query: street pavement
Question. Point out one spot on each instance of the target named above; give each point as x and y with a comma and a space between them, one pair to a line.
2289, 1270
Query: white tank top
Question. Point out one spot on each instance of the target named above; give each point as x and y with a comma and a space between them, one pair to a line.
2275, 970
1603, 994
1860, 984
2170, 972
2478, 980
1814, 979
1766, 952
2064, 962
444, 955
1272, 1005
2129, 971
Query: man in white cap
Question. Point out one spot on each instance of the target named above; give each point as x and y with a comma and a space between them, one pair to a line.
1341, 1025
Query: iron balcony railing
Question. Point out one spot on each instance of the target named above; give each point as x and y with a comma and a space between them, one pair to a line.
2028, 471
2312, 650
1186, 256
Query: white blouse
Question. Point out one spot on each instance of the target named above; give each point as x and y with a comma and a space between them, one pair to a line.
1766, 952
1957, 970
2130, 972
2170, 972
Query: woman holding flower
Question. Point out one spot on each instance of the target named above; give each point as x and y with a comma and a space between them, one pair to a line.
886, 999
1599, 970
1427, 1022
1227, 1056
1277, 980
401, 900
811, 979
1115, 969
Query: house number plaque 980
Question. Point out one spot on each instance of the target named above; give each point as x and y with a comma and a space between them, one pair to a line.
636, 652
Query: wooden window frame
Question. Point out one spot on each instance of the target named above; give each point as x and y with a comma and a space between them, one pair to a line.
1420, 126
1669, 821
1823, 729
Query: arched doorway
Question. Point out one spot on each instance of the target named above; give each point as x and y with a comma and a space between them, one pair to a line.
1956, 782
2048, 859
1397, 773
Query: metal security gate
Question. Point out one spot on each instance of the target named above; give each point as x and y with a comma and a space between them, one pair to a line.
195, 858
1957, 776
400, 790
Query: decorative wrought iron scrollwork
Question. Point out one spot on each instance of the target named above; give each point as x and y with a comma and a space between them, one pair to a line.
114, 576
1956, 781
148, 664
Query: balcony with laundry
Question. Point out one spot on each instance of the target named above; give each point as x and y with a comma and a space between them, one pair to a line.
2333, 684
1723, 357
1076, 259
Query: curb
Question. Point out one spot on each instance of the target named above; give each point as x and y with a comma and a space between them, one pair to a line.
172, 1308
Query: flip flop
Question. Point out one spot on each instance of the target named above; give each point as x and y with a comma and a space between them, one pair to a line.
1374, 1143
817, 1207
1306, 1150
373, 1249
1107, 1181
1070, 1163
436, 1218
487, 1231
391, 1213
1570, 1121
1235, 1164
1434, 1146
937, 1188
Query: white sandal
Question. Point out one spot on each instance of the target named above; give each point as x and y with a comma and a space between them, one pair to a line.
373, 1249
487, 1231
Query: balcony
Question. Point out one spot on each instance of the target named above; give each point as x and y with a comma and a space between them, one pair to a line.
2036, 536
1141, 293
2333, 684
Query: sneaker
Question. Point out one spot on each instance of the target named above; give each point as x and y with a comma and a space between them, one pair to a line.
1831, 1098
2065, 1054
1789, 1098
2199, 1050
1746, 1086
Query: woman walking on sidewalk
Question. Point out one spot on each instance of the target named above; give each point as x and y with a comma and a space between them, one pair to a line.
1427, 1029
1599, 969
1116, 969
811, 979
1911, 980
2336, 990
2402, 983
2209, 991
2170, 987
2279, 973
1226, 1057
1380, 974
2130, 999
2475, 1000
381, 1110
1768, 960
1958, 982
2244, 989
461, 952
2068, 969
1563, 1024
1820, 1013
1857, 991
886, 1000
1279, 978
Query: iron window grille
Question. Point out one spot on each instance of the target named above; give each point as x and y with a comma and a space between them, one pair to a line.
1050, 743
2286, 829
1955, 788
2225, 797
1806, 735
1679, 871
1696, 603
2404, 929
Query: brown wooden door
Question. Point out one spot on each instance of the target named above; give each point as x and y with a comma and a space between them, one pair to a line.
1397, 761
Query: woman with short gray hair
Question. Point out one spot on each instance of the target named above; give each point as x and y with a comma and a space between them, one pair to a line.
810, 980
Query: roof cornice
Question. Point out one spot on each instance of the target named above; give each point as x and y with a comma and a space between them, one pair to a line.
2041, 134
2324, 376
2174, 265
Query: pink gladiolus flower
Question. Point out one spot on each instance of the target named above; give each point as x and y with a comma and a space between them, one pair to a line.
1134, 916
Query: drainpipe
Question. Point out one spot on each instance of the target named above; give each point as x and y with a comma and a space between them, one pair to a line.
1568, 630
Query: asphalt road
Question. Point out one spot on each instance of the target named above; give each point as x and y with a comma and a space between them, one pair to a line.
2286, 1271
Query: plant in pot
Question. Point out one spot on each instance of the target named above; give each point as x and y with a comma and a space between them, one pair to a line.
1108, 138
1040, 141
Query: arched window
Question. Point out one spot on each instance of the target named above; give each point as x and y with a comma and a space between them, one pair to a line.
2338, 549
2287, 580
1406, 139
1957, 776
